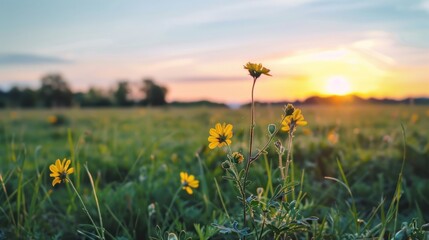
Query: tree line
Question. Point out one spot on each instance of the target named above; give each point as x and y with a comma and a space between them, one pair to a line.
55, 91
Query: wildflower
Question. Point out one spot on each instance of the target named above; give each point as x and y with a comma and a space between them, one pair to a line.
220, 135
53, 119
296, 119
414, 118
237, 157
255, 70
60, 171
188, 182
332, 137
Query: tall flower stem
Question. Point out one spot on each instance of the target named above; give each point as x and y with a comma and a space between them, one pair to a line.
249, 158
289, 150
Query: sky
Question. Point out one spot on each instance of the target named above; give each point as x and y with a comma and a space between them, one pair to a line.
197, 49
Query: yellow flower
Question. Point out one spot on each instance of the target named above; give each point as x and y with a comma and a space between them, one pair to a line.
296, 119
333, 137
220, 135
60, 171
52, 119
237, 157
188, 182
256, 70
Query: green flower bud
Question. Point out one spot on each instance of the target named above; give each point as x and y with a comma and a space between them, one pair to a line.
271, 129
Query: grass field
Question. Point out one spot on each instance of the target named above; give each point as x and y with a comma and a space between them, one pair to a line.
135, 156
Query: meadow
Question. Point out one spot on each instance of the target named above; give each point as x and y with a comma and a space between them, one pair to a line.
135, 156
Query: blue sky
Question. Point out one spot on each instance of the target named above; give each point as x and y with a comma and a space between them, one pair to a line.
198, 48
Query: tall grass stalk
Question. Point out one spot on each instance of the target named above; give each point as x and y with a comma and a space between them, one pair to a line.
101, 236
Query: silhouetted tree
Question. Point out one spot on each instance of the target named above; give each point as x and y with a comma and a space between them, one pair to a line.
154, 94
3, 98
14, 96
96, 98
121, 94
55, 91
28, 98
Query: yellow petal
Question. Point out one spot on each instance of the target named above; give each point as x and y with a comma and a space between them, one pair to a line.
70, 171
66, 166
54, 174
55, 181
183, 176
218, 128
53, 168
213, 139
228, 128
301, 123
189, 190
58, 165
194, 184
213, 145
285, 128
213, 132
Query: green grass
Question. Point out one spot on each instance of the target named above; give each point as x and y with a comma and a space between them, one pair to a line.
135, 156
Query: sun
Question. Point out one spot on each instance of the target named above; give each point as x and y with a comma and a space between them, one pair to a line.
337, 85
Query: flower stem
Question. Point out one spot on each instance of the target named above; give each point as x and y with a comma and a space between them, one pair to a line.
249, 159
288, 160
85, 209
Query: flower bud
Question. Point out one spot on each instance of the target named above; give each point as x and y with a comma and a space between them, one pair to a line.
271, 129
288, 110
237, 157
225, 165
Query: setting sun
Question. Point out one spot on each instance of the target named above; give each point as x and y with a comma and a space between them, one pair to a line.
337, 85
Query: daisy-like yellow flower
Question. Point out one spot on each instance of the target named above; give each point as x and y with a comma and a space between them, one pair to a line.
291, 121
60, 170
188, 182
256, 70
220, 135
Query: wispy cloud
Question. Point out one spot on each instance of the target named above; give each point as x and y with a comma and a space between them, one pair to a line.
29, 59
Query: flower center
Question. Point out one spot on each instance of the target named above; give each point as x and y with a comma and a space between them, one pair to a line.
221, 138
185, 183
63, 175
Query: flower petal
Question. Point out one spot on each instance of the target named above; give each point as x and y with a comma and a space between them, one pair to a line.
218, 127
66, 166
55, 181
70, 171
58, 165
213, 145
194, 183
53, 168
189, 190
213, 132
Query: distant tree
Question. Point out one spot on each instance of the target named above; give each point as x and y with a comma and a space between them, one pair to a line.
3, 98
93, 98
154, 94
28, 98
14, 96
55, 91
121, 94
